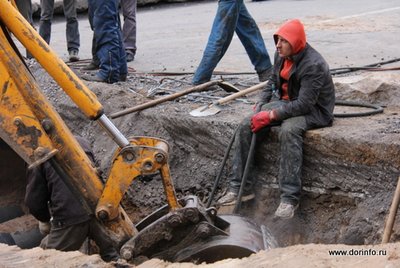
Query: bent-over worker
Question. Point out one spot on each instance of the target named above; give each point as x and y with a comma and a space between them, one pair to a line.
50, 200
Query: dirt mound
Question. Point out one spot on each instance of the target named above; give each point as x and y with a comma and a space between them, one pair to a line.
348, 167
294, 256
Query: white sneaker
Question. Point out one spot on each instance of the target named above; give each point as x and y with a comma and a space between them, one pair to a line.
285, 210
230, 198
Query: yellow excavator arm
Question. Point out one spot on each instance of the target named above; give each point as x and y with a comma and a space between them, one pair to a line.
32, 127
182, 230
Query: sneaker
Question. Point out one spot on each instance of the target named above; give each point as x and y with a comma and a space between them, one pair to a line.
73, 55
130, 56
264, 75
285, 210
230, 198
91, 66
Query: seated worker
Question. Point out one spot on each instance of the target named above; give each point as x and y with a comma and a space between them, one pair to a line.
50, 200
300, 95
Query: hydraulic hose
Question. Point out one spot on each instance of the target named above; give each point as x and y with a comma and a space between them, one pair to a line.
369, 67
376, 109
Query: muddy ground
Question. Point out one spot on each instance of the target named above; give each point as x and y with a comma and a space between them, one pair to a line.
350, 169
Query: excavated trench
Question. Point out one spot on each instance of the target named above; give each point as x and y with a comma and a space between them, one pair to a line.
349, 175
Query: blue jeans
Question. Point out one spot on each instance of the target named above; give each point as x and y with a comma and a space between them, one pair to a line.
46, 16
109, 47
232, 16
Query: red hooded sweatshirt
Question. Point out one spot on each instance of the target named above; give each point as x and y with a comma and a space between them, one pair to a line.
293, 32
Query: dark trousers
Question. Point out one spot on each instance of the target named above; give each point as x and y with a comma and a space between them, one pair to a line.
25, 8
291, 159
70, 238
72, 31
128, 8
95, 59
108, 39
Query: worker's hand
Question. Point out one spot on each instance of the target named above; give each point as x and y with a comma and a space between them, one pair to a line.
44, 227
260, 120
257, 106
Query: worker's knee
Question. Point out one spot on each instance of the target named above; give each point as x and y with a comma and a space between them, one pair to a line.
293, 127
244, 126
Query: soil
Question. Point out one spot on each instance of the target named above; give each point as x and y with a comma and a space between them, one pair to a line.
350, 169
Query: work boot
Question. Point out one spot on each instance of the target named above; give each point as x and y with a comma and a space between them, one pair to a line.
91, 66
230, 198
122, 77
93, 78
73, 55
286, 210
130, 56
264, 75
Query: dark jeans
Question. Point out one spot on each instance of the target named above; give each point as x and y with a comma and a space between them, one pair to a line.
291, 148
128, 8
95, 59
25, 8
70, 238
108, 39
46, 16
232, 16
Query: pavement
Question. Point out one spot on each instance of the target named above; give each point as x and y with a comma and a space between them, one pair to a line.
171, 37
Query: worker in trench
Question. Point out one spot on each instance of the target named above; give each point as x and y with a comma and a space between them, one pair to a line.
299, 96
61, 215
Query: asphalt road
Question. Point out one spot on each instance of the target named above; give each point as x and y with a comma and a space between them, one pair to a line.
172, 37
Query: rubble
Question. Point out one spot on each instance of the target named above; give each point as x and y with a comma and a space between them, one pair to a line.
350, 169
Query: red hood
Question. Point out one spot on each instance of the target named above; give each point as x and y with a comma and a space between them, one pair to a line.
293, 32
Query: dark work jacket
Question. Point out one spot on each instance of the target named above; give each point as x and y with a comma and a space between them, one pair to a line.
47, 196
310, 88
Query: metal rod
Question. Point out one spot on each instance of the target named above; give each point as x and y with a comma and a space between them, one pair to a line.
113, 131
164, 99
218, 178
245, 173
246, 168
392, 214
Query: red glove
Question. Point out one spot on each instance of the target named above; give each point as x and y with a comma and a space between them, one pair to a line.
261, 119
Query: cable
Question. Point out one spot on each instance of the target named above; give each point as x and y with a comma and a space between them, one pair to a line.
376, 109
369, 67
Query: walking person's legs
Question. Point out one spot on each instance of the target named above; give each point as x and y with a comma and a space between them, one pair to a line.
251, 38
128, 8
72, 29
219, 40
46, 16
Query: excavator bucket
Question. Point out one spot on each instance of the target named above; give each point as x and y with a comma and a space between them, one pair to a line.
195, 234
244, 238
182, 230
